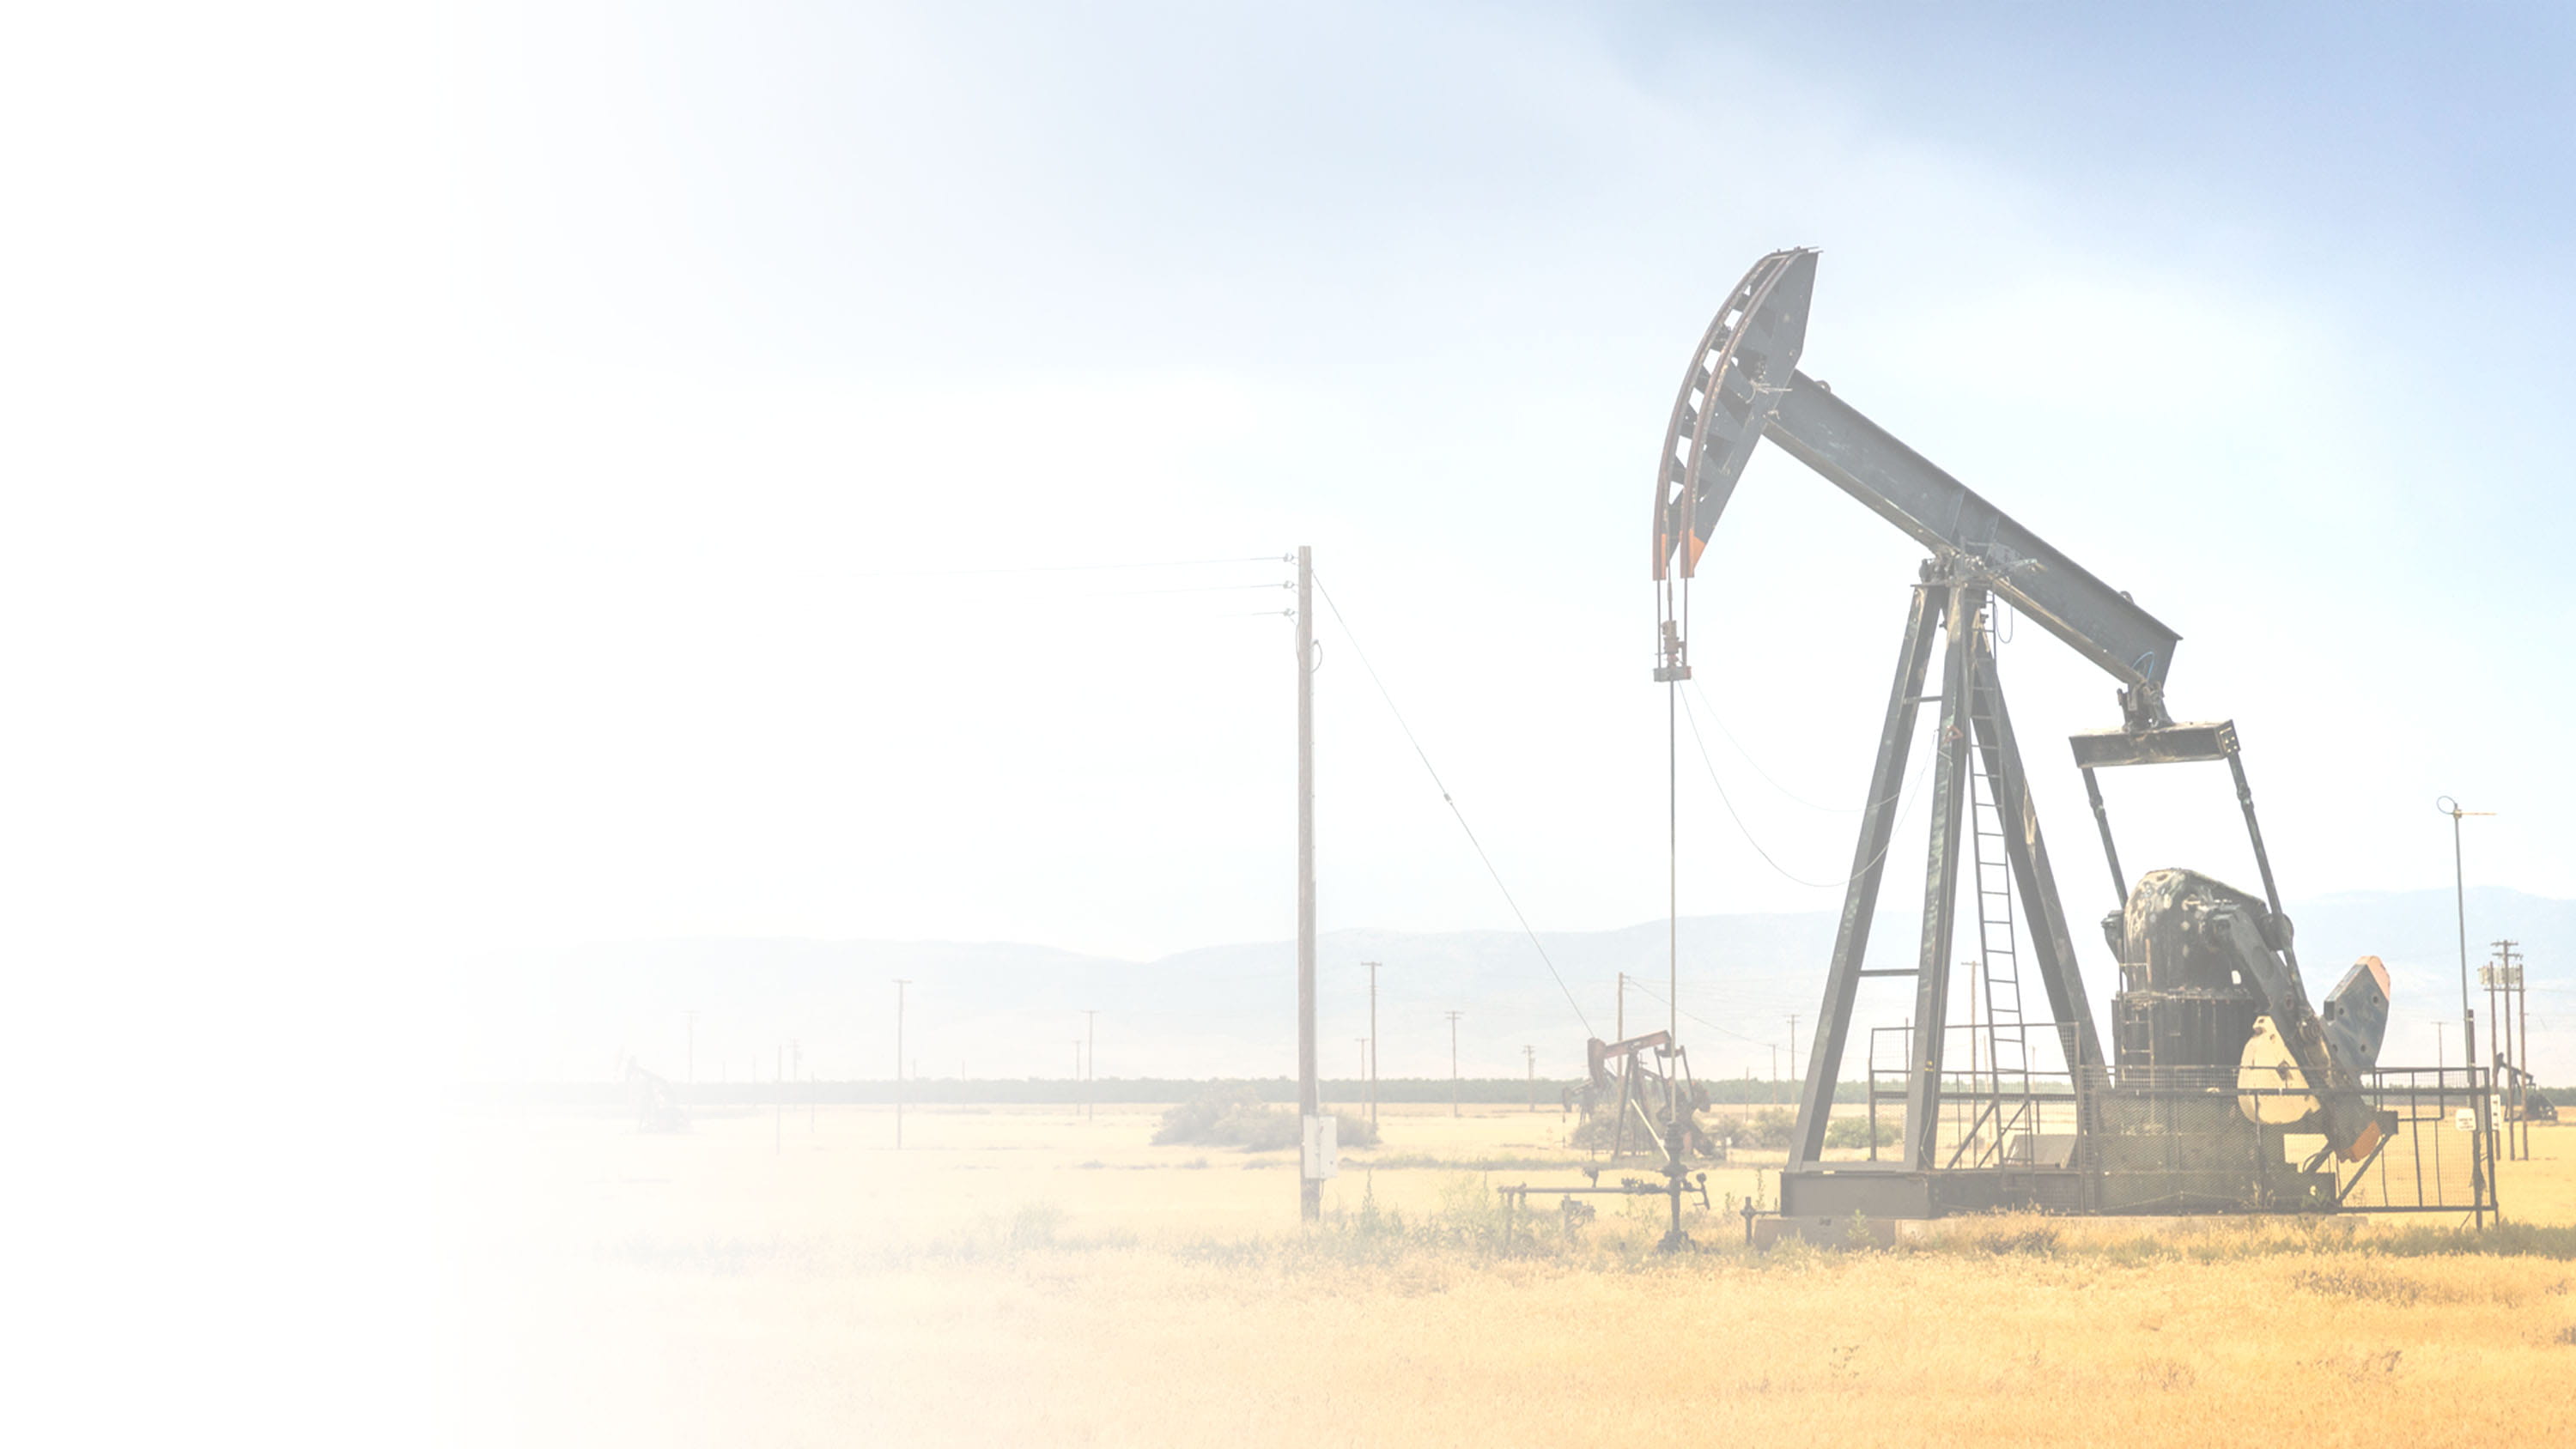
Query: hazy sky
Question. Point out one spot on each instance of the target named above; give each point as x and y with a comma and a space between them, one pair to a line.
490, 478
472, 471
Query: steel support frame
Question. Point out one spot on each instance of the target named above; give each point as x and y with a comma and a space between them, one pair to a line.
1950, 746
1973, 716
2052, 943
1860, 894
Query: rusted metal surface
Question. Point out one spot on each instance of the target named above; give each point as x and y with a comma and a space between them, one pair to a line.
2171, 745
1743, 361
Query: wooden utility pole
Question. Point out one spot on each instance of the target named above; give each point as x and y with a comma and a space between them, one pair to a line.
1530, 1054
2522, 1054
2504, 984
2479, 1175
1453, 1064
1372, 1041
1310, 1189
898, 1060
2499, 1049
1793, 1043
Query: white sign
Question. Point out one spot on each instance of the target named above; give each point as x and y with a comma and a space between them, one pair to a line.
1323, 1147
2467, 1117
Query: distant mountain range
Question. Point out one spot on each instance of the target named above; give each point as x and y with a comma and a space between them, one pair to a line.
1005, 1010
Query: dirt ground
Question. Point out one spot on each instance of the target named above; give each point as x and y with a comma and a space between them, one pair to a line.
1026, 1276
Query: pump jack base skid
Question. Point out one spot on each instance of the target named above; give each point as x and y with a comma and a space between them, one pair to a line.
1841, 1190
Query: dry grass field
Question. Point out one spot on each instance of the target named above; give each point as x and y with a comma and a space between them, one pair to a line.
1019, 1276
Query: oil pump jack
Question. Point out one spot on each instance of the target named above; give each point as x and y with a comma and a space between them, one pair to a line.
2221, 1087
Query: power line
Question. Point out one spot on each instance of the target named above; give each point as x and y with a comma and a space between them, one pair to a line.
1173, 563
1695, 1016
1446, 799
1199, 589
1747, 831
1707, 704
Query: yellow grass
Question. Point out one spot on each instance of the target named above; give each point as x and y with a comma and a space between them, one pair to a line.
1019, 1276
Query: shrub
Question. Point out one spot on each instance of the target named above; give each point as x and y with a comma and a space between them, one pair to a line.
1235, 1116
1769, 1128
1854, 1132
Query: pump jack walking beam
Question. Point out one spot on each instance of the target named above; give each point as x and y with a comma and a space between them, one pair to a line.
1744, 385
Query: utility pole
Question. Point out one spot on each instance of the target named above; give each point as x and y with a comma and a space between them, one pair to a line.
693, 1045
2478, 1162
1371, 1071
796, 1050
1531, 1053
1310, 1189
2504, 983
1619, 1031
1091, 1055
1793, 1041
898, 1060
2497, 1041
1362, 1043
1453, 1063
2522, 1056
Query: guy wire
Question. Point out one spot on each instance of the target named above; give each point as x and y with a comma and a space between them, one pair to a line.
1907, 793
1446, 799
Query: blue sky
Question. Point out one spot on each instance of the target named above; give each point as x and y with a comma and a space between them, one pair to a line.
564, 426
491, 478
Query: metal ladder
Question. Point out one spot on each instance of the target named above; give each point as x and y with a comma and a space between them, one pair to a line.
1999, 970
